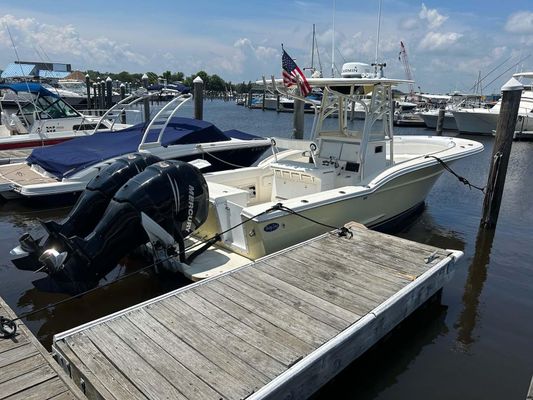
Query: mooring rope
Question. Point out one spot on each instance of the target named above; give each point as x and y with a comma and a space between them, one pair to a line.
8, 328
461, 179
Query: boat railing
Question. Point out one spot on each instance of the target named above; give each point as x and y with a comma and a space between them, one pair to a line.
161, 121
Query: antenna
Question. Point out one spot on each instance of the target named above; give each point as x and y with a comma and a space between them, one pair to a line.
333, 44
377, 35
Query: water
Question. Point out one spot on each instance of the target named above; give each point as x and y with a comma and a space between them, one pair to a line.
472, 342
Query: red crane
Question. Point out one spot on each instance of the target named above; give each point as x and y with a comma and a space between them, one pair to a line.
405, 62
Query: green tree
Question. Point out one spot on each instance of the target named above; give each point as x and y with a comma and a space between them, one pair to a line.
177, 77
216, 84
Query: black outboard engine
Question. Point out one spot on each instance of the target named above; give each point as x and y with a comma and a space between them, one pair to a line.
89, 208
173, 194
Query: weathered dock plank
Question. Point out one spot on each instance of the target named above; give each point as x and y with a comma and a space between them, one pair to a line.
278, 328
27, 371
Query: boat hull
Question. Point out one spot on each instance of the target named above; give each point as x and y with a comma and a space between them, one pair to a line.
430, 119
471, 121
372, 208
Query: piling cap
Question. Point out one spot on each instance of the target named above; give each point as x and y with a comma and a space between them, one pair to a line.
197, 80
144, 77
122, 85
512, 84
87, 76
109, 79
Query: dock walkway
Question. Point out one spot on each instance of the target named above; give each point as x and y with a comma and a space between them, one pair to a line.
27, 371
277, 328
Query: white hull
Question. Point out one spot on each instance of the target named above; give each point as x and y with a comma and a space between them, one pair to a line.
431, 118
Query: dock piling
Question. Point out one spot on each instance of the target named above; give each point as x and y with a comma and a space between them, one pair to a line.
198, 89
298, 119
146, 101
122, 97
95, 97
440, 121
102, 96
512, 92
109, 92
88, 85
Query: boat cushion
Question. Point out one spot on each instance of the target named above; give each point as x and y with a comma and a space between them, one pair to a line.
64, 159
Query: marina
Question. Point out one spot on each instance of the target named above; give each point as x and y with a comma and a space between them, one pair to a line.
211, 217
289, 322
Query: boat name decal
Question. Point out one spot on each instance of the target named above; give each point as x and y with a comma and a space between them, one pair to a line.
271, 227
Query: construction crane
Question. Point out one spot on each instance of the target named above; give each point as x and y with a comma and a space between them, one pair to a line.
405, 62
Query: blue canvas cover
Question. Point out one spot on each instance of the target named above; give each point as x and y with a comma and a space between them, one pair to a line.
64, 159
30, 87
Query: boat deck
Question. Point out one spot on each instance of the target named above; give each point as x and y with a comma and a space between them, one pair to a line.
14, 156
27, 371
21, 174
277, 328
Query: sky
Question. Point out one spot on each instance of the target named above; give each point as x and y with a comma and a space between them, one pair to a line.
449, 43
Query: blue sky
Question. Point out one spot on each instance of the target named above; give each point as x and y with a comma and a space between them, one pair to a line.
448, 42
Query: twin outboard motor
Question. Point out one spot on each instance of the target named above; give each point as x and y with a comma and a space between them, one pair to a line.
173, 194
87, 211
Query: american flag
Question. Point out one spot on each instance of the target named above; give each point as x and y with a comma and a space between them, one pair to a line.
292, 75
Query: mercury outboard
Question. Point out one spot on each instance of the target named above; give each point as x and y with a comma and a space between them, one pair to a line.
172, 194
87, 211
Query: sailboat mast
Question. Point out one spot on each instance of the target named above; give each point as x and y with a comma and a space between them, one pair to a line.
313, 51
333, 44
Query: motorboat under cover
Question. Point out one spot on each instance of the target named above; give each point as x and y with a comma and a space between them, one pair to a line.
65, 159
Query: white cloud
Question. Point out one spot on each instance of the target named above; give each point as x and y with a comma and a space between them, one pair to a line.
520, 22
439, 41
63, 43
409, 24
432, 16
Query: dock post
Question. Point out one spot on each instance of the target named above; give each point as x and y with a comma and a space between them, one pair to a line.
109, 92
298, 119
512, 91
102, 96
146, 101
198, 89
249, 102
88, 85
440, 121
95, 96
264, 99
277, 103
122, 97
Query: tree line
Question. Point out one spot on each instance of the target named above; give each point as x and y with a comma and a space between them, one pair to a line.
212, 83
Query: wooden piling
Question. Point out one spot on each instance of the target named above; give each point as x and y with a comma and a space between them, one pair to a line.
298, 119
512, 91
198, 89
146, 100
440, 121
263, 100
249, 102
95, 97
278, 109
88, 85
102, 95
122, 97
109, 92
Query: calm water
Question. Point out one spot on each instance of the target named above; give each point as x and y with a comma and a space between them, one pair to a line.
474, 342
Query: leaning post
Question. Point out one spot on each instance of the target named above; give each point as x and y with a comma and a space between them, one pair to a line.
512, 91
198, 93
146, 101
440, 121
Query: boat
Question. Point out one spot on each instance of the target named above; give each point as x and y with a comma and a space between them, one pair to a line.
205, 225
406, 114
455, 101
66, 168
484, 121
42, 118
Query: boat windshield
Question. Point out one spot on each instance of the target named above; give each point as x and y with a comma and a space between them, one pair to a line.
49, 107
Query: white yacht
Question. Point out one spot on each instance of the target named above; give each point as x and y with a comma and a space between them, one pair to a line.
484, 121
231, 217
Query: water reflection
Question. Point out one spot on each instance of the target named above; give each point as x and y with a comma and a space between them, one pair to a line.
477, 275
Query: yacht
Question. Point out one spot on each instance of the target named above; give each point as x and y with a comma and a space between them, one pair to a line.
204, 225
484, 121
41, 117
455, 102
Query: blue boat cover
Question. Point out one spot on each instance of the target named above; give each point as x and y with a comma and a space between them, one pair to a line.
64, 159
30, 87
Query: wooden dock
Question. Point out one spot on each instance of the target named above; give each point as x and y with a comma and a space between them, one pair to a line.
27, 371
278, 328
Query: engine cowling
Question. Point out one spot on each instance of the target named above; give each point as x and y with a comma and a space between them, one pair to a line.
174, 194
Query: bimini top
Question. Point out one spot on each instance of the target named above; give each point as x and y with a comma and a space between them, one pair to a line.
64, 159
30, 87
